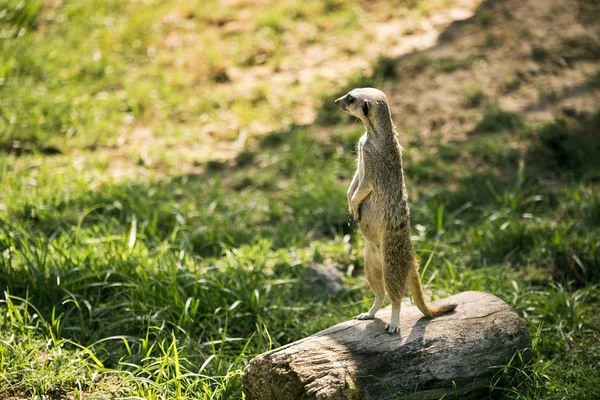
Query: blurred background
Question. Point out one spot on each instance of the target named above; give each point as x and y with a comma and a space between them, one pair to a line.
170, 171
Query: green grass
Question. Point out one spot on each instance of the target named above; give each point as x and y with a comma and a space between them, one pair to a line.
165, 286
472, 96
127, 280
495, 119
450, 63
513, 83
79, 76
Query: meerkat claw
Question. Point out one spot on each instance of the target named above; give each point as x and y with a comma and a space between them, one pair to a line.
364, 316
392, 328
350, 217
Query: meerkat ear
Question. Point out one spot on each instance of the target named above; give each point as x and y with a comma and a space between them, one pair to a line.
366, 107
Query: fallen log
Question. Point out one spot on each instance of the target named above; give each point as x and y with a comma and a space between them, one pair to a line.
447, 356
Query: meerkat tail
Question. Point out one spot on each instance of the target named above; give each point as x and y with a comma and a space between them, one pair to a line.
414, 282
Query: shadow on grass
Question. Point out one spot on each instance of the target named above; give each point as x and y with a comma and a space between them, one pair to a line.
537, 208
185, 254
544, 214
395, 69
569, 147
289, 193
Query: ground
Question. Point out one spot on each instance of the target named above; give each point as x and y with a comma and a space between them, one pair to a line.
168, 169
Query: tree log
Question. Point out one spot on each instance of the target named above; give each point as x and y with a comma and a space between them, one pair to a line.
450, 355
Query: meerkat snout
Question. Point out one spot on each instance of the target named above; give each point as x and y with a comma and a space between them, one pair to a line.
359, 102
346, 103
341, 103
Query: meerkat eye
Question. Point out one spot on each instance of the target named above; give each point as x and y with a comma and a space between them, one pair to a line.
351, 99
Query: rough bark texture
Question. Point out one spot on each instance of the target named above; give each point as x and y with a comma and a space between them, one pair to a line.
449, 355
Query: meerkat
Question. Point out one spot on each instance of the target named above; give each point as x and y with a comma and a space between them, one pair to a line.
378, 201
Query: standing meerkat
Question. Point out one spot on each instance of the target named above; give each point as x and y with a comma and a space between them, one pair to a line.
378, 201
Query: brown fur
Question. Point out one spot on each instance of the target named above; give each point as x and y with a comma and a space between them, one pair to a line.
378, 200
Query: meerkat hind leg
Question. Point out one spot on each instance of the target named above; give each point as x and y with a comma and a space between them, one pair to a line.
373, 270
379, 297
394, 325
395, 271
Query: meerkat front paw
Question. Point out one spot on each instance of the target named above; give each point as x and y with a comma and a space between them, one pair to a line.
364, 316
391, 328
350, 217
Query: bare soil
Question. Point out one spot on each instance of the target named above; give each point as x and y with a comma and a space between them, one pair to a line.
307, 68
537, 58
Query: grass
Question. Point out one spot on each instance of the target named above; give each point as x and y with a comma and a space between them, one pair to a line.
472, 96
132, 65
495, 119
513, 83
165, 286
450, 63
165, 293
567, 146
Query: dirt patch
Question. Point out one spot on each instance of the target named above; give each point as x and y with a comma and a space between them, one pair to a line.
295, 84
534, 58
444, 70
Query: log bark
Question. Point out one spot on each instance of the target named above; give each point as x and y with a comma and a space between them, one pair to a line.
450, 355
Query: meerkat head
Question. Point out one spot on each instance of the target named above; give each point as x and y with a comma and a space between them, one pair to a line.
368, 104
371, 107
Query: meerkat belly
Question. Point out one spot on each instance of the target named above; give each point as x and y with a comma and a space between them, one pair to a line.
371, 222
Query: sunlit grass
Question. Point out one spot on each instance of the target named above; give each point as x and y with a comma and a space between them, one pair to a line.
163, 65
